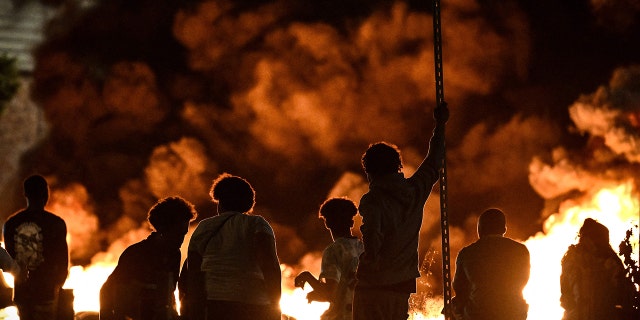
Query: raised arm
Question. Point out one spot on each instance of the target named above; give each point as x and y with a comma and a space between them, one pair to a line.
436, 144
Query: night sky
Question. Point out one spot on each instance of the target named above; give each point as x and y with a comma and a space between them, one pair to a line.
145, 99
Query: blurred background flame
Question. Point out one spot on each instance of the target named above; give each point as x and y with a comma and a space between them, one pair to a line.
124, 102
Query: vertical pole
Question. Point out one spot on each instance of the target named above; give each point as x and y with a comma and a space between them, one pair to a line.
444, 216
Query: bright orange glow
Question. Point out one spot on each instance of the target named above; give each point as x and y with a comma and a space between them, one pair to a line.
616, 207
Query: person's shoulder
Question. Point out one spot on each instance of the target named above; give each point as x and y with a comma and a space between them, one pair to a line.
53, 216
370, 199
135, 249
257, 219
516, 247
516, 243
16, 215
469, 247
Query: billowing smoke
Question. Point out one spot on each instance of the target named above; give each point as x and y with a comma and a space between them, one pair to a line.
145, 99
609, 119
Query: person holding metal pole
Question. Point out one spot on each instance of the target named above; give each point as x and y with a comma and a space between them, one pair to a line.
392, 213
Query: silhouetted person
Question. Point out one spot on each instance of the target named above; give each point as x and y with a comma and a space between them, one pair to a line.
491, 274
593, 283
142, 285
339, 261
36, 239
232, 269
392, 213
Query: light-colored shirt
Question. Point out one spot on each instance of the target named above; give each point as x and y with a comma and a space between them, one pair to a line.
231, 270
339, 263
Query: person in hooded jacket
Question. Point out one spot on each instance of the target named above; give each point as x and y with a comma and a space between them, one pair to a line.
593, 284
392, 213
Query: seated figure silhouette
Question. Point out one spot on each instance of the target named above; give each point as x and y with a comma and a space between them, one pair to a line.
491, 274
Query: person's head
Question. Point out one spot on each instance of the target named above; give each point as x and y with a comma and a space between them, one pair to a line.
36, 190
381, 158
338, 213
492, 222
595, 232
232, 193
170, 217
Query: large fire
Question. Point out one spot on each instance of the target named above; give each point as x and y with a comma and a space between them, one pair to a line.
617, 207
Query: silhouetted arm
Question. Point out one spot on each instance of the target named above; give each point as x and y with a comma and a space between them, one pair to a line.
461, 286
59, 253
371, 230
322, 291
436, 143
108, 295
525, 268
268, 261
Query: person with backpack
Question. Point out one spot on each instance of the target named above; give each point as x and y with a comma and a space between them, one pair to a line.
232, 269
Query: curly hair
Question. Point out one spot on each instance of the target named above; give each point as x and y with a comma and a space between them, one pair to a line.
382, 158
233, 193
338, 212
171, 211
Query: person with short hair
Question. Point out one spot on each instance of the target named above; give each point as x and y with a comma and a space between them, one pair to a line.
392, 212
142, 285
37, 241
336, 281
491, 274
232, 269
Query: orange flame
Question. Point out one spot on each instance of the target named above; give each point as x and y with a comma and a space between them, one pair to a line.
616, 207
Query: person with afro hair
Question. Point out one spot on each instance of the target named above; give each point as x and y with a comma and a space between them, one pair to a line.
339, 261
143, 283
232, 269
392, 212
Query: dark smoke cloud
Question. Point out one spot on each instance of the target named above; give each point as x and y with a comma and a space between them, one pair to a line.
608, 117
151, 98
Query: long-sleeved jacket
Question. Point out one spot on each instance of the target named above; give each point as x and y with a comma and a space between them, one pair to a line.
143, 283
489, 278
593, 284
392, 215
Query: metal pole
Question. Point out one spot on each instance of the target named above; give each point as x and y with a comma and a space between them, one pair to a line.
444, 216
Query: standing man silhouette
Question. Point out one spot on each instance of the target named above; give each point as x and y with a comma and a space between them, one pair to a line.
392, 213
36, 239
491, 274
